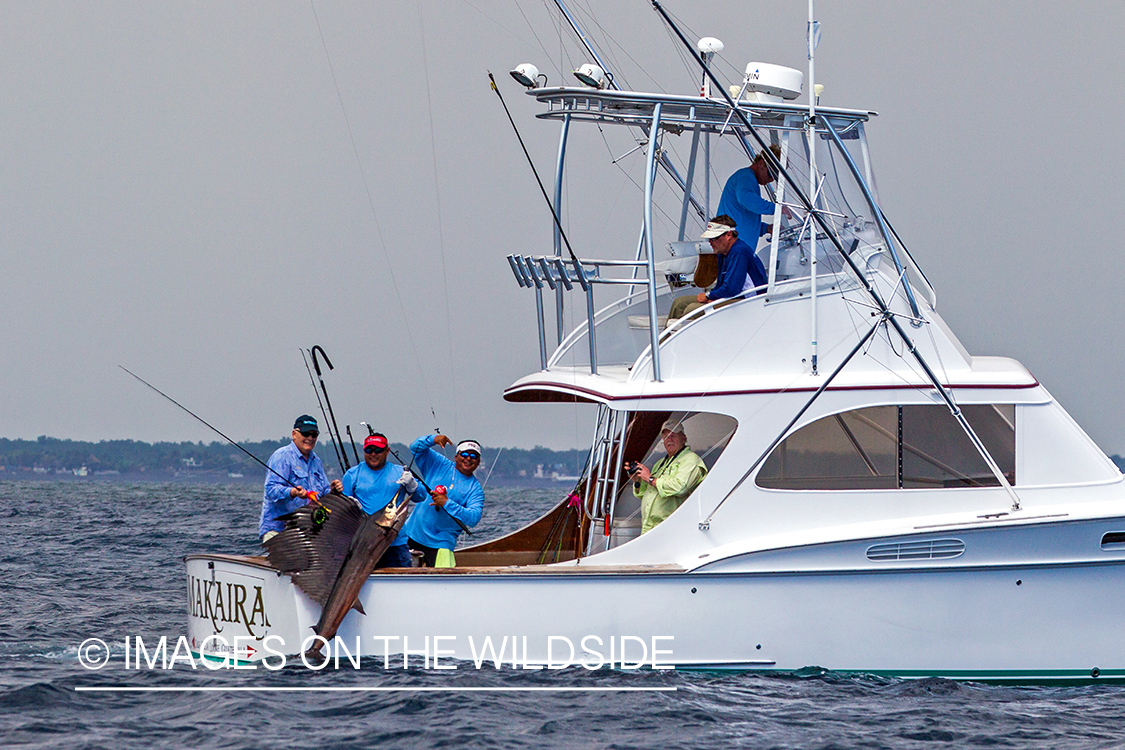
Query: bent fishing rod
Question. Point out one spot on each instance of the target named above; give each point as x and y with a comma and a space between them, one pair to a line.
421, 481
316, 366
323, 413
216, 430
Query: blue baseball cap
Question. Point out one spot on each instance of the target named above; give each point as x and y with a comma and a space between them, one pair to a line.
305, 423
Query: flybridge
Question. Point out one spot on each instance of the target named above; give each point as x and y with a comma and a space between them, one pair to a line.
825, 158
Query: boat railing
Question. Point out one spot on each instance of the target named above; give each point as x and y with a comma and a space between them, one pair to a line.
608, 328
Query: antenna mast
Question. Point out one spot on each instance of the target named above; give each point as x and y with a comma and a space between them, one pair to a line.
810, 131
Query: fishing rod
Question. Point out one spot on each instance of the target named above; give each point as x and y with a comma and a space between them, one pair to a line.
316, 366
351, 440
324, 414
421, 481
216, 430
543, 190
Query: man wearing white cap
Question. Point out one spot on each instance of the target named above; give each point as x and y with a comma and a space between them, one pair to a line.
740, 270
671, 480
456, 496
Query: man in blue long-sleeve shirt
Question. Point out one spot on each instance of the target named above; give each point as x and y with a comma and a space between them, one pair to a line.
375, 483
295, 472
740, 270
431, 526
742, 198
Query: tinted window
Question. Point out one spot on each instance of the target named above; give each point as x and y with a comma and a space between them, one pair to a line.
888, 447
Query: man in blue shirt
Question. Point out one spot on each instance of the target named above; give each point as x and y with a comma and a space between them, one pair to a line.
742, 198
740, 270
375, 484
431, 527
296, 476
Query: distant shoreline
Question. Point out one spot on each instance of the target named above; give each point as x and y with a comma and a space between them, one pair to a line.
156, 477
48, 458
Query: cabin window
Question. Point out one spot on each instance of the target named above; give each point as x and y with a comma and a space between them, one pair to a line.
893, 447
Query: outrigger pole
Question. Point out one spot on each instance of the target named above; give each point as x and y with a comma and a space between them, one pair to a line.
662, 158
885, 312
543, 190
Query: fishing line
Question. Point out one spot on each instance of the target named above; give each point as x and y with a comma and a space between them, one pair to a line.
217, 432
537, 39
489, 476
437, 197
374, 214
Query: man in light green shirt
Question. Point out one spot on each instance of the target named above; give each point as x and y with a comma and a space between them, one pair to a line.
671, 480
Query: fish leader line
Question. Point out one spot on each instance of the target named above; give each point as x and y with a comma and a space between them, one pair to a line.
374, 214
437, 201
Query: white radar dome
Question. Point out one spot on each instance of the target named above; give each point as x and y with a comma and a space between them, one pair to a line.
773, 83
709, 45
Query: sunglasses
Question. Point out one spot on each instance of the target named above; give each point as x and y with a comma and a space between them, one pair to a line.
311, 433
469, 455
373, 449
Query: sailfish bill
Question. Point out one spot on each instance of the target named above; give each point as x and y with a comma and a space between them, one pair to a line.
374, 537
329, 548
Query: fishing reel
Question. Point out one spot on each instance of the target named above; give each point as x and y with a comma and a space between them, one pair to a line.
320, 513
319, 516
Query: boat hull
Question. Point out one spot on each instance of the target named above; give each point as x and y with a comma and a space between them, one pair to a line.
1018, 622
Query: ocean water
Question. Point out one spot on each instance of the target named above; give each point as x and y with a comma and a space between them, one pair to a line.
91, 559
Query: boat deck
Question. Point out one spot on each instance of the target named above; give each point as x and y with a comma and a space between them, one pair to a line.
258, 561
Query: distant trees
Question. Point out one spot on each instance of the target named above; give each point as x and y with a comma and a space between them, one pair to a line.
129, 456
132, 457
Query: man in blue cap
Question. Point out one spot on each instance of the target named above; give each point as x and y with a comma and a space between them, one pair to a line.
304, 477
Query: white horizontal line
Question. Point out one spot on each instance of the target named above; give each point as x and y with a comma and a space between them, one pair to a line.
365, 689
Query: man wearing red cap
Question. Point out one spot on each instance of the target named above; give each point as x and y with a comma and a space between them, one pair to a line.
374, 483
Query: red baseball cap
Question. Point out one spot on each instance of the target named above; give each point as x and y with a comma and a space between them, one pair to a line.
377, 440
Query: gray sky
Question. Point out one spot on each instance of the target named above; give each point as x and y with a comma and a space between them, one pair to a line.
181, 196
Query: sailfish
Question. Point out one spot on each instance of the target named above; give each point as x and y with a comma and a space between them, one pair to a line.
329, 548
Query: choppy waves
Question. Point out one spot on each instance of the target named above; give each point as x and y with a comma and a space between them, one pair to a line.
84, 560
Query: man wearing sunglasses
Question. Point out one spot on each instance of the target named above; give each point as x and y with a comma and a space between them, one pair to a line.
431, 527
739, 269
375, 484
304, 472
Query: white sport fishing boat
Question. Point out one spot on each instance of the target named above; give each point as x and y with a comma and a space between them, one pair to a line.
878, 499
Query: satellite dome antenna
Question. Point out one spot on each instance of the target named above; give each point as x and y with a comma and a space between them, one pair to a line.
708, 46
